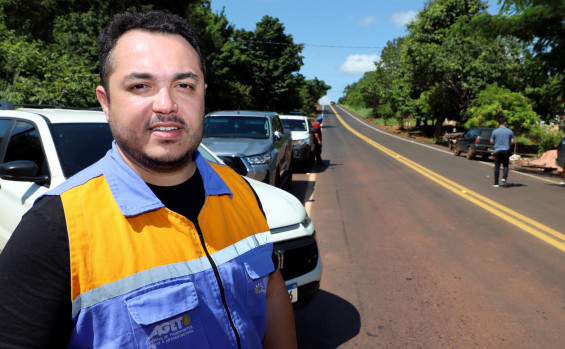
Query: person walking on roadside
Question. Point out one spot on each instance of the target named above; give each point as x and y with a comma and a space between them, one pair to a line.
560, 161
153, 246
317, 127
502, 138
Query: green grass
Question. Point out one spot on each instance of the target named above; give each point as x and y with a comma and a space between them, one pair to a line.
368, 114
364, 112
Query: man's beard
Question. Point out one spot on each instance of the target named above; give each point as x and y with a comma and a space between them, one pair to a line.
130, 144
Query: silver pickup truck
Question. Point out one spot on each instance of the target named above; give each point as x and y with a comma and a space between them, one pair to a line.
253, 143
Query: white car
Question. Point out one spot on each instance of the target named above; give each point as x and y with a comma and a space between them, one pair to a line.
302, 139
41, 148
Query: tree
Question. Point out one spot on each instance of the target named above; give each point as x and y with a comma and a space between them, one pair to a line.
539, 25
310, 92
394, 87
274, 61
446, 69
53, 59
227, 66
495, 102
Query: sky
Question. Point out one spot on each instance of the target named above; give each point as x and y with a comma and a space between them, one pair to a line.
342, 39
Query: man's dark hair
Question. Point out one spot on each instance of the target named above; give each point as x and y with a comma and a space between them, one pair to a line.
501, 120
150, 21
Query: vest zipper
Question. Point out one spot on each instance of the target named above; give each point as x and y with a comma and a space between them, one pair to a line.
220, 284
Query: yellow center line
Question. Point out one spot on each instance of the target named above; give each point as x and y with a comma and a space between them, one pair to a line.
543, 232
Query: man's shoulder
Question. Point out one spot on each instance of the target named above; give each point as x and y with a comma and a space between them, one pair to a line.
502, 130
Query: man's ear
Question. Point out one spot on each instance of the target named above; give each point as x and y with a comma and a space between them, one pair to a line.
104, 100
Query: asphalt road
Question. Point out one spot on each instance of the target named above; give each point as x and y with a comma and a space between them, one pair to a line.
420, 251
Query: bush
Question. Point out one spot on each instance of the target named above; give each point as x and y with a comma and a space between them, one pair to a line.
495, 102
545, 137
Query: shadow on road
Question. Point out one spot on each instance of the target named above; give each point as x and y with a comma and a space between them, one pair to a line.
302, 190
322, 168
326, 322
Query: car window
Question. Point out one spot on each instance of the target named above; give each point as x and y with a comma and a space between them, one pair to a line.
4, 126
472, 133
277, 125
294, 125
80, 144
24, 144
485, 133
236, 127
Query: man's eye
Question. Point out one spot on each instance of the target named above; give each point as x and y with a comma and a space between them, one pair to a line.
185, 85
138, 87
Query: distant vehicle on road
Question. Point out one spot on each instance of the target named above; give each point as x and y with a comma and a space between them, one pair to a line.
302, 139
476, 141
253, 143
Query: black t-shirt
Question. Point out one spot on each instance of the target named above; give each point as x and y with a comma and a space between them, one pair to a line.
39, 314
186, 198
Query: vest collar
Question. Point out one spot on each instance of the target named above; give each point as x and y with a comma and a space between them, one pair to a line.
134, 197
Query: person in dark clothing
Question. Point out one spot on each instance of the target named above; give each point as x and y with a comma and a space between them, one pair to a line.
318, 140
560, 161
502, 138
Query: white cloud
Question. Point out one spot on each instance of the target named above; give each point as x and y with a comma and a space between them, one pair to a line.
359, 64
366, 21
403, 18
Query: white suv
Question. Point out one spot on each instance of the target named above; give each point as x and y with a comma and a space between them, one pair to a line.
41, 148
302, 139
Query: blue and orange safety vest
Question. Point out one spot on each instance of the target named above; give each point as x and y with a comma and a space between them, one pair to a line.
143, 276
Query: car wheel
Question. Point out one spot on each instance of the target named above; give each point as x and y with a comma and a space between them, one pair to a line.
456, 151
470, 153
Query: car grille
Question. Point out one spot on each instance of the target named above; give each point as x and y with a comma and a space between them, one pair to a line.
235, 163
300, 256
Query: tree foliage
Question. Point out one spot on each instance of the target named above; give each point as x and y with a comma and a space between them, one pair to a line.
495, 102
539, 25
273, 61
310, 93
48, 54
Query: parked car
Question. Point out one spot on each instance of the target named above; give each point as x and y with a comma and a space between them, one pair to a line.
255, 144
302, 139
41, 148
476, 141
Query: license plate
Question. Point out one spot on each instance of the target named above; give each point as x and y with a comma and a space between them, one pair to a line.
293, 292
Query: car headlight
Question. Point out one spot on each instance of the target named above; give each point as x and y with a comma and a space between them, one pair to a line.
306, 221
299, 142
261, 159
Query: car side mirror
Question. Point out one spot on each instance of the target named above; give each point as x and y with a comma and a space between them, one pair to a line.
22, 171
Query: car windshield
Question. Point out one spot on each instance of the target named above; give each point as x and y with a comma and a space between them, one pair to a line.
485, 133
294, 125
80, 144
236, 127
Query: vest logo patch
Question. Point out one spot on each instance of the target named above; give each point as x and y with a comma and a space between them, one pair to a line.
259, 288
170, 330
